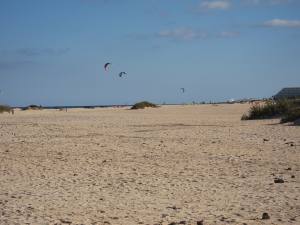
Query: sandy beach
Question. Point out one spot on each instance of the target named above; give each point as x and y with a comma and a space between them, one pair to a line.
166, 165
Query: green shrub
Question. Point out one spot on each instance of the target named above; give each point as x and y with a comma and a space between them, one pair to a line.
5, 108
33, 107
291, 116
270, 109
245, 117
142, 105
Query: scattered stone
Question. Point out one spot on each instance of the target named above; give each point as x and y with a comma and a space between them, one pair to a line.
289, 168
222, 218
278, 180
172, 223
200, 222
65, 221
265, 216
173, 207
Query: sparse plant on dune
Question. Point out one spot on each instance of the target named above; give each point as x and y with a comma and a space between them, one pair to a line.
291, 116
5, 108
33, 107
285, 109
142, 105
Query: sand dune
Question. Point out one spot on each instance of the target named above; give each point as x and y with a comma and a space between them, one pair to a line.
173, 164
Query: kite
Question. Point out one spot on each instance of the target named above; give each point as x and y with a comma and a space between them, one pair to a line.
122, 73
106, 66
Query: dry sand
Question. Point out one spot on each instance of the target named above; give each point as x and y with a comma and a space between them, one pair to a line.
152, 166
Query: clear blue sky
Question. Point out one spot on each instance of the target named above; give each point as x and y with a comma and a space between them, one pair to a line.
52, 52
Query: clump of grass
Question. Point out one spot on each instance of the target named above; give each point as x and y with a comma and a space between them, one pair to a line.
245, 117
285, 109
33, 107
267, 110
142, 105
5, 108
291, 116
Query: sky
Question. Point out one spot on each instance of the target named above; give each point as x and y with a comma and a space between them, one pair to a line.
52, 52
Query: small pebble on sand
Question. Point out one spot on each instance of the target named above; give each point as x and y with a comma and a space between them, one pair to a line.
278, 180
265, 216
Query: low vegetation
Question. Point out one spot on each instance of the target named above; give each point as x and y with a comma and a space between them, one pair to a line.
287, 110
142, 105
33, 107
291, 116
5, 108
